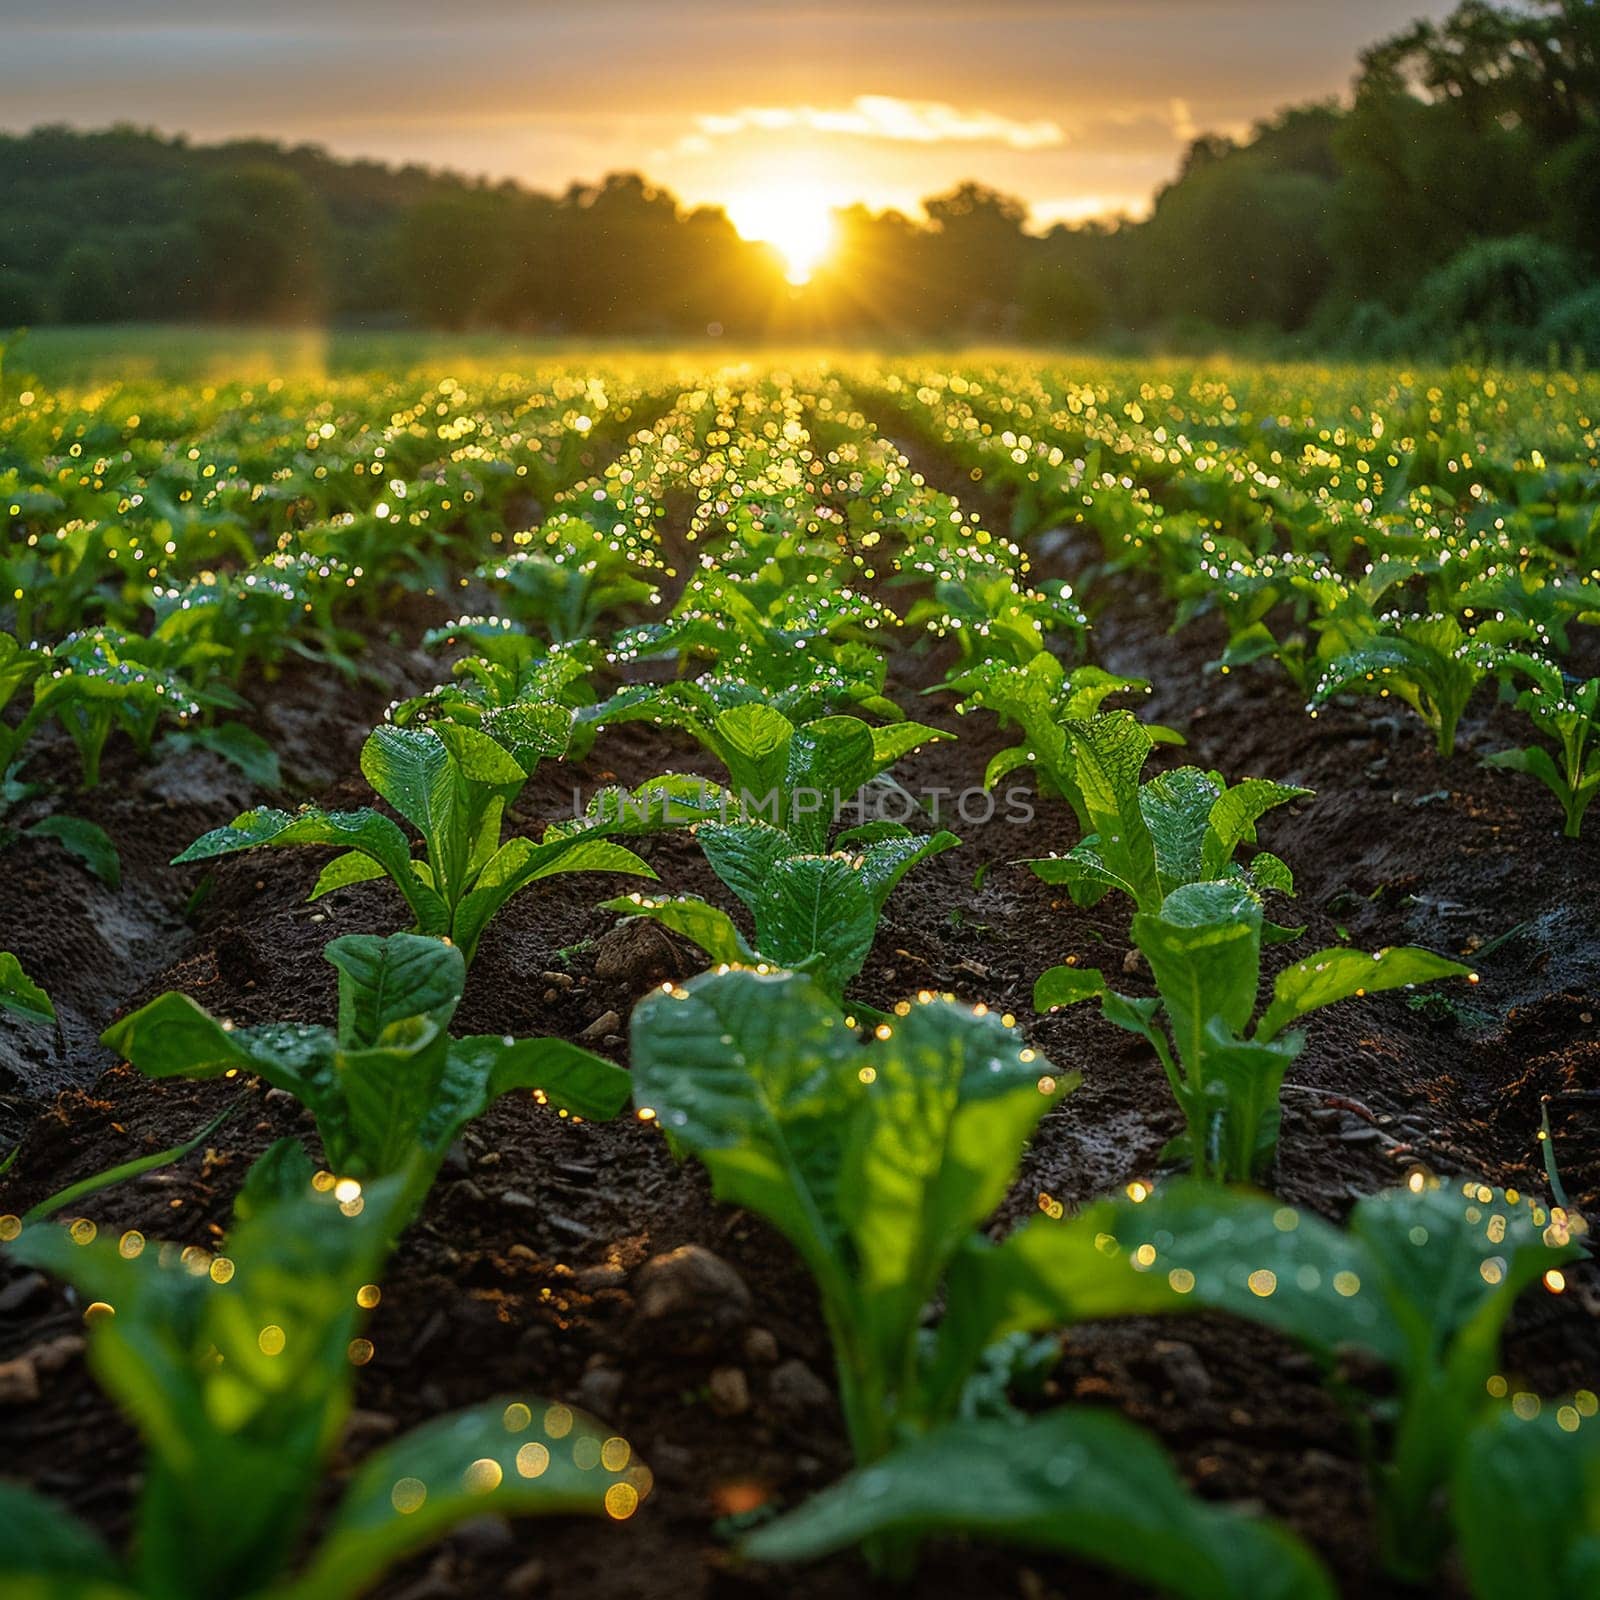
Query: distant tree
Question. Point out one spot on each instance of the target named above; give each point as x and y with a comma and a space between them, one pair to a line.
1237, 241
456, 254
261, 234
878, 276
1454, 125
87, 289
976, 254
1496, 295
1569, 183
1060, 300
19, 298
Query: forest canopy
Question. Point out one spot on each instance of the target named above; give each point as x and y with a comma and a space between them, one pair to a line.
1454, 197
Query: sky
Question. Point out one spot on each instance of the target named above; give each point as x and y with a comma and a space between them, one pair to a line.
1080, 107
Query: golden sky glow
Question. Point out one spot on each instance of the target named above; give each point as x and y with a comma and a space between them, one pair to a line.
1080, 107
792, 210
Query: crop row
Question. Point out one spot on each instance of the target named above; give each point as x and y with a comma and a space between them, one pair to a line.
743, 571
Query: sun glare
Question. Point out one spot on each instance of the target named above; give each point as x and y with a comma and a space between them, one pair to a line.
794, 217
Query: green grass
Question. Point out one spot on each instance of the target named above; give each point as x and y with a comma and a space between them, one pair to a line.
191, 353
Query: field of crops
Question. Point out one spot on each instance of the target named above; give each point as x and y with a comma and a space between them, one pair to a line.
973, 972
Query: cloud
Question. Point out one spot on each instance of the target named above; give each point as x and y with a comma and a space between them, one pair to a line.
879, 116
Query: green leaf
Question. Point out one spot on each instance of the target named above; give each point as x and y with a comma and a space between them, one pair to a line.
238, 1382
508, 1458
88, 841
1204, 950
743, 855
713, 930
411, 769
1338, 973
890, 744
1239, 1116
574, 1079
283, 1171
1267, 871
365, 830
1235, 813
174, 1036
483, 759
1066, 986
1176, 807
829, 761
757, 1075
955, 1099
1110, 751
46, 1553
242, 748
816, 909
1525, 1500
1082, 871
753, 744
350, 868
384, 981
386, 1091
1082, 1482
20, 994
529, 732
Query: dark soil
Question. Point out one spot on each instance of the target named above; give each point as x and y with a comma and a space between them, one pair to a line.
522, 1273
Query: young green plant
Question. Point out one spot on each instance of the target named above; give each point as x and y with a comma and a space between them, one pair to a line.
452, 783
1204, 950
1567, 713
879, 1163
237, 1368
1422, 1279
389, 1087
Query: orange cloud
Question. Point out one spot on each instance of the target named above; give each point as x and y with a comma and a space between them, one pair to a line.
878, 116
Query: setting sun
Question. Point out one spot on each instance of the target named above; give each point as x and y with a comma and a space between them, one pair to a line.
794, 216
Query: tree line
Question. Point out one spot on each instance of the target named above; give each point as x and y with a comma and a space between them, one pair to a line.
1455, 196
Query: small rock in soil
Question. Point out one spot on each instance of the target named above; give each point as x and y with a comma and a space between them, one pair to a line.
20, 1291
609, 1022
796, 1391
526, 1579
1361, 1135
364, 1429
760, 1347
19, 1378
1183, 1369
730, 1391
558, 980
671, 1463
19, 1382
482, 1537
435, 1586
692, 1292
599, 1390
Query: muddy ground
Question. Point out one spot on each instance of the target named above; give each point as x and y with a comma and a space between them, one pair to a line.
522, 1274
